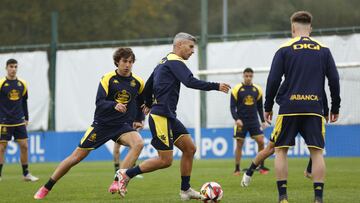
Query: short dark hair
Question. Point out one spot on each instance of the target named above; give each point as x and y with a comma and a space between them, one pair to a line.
303, 17
248, 70
11, 61
123, 53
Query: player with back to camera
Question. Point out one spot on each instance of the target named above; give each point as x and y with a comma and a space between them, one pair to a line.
118, 101
14, 116
246, 104
162, 95
304, 63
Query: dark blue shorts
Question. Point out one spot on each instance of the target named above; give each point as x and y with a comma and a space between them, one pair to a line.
240, 132
18, 132
95, 136
310, 127
165, 131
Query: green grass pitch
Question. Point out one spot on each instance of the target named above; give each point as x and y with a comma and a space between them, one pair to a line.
88, 182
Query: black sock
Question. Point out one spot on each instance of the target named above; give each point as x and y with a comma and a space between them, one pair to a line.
237, 167
50, 184
116, 166
132, 172
282, 186
25, 169
185, 183
1, 165
318, 190
308, 169
251, 170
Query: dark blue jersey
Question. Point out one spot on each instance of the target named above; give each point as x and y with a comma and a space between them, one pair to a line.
304, 63
246, 103
114, 89
162, 89
13, 102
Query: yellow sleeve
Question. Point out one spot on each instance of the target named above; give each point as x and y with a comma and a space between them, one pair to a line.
259, 90
105, 81
235, 91
141, 81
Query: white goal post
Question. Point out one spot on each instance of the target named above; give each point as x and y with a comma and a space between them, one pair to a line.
265, 69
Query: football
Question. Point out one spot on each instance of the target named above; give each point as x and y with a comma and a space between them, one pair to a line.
211, 192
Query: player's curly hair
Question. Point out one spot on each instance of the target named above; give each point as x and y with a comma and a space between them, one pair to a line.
303, 17
123, 53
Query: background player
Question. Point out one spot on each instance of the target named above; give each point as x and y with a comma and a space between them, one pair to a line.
305, 63
117, 102
166, 129
245, 104
14, 116
270, 149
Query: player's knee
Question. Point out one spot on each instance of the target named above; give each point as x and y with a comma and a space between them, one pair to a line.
24, 147
166, 162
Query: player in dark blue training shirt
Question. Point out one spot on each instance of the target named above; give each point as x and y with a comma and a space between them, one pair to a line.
246, 104
304, 63
118, 102
162, 91
14, 116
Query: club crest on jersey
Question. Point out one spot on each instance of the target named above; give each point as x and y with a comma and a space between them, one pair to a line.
122, 97
92, 137
249, 100
19, 84
116, 81
6, 85
133, 83
242, 89
14, 95
254, 89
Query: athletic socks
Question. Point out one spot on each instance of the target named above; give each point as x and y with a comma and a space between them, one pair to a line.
318, 190
50, 184
237, 167
251, 170
1, 166
282, 186
25, 169
116, 166
185, 183
308, 169
132, 172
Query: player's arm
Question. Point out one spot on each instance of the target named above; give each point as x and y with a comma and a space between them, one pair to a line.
334, 85
326, 106
148, 91
183, 73
25, 106
101, 101
259, 105
273, 83
233, 109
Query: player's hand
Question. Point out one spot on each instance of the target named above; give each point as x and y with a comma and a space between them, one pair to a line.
239, 123
333, 117
145, 109
120, 107
138, 125
26, 123
223, 87
268, 117
264, 125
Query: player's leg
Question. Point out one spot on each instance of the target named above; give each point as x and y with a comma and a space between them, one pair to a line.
313, 132
160, 128
307, 172
3, 145
239, 136
91, 140
135, 143
116, 156
281, 171
258, 135
260, 157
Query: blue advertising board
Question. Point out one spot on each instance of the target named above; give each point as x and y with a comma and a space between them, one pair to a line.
341, 141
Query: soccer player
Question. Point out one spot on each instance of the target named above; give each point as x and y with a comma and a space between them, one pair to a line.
270, 149
166, 129
245, 104
117, 103
14, 116
304, 63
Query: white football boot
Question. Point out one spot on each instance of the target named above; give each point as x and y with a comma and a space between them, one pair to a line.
30, 178
189, 194
245, 182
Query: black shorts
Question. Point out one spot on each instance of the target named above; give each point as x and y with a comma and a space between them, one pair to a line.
165, 131
95, 136
18, 132
310, 127
254, 131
